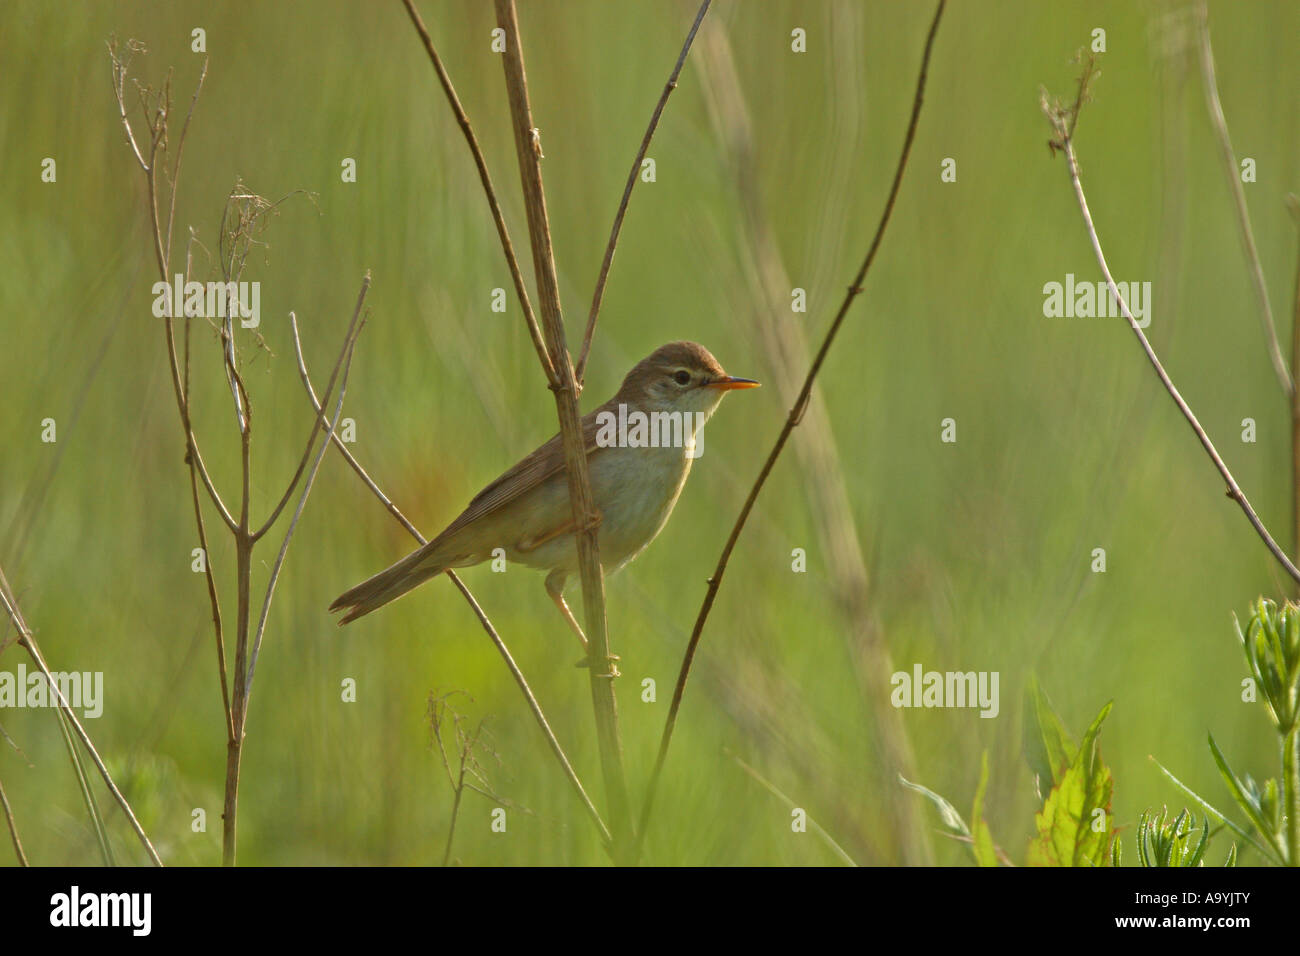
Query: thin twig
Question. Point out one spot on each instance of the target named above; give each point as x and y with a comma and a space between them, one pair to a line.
1233, 173
162, 248
214, 602
761, 296
1060, 122
318, 422
345, 357
772, 789
543, 356
580, 372
13, 827
87, 795
792, 420
488, 627
28, 641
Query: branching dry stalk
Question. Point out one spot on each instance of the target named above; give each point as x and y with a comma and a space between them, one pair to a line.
1063, 120
242, 218
792, 420
468, 769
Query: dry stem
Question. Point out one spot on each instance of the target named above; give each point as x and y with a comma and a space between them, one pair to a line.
1063, 122
586, 519
507, 246
792, 420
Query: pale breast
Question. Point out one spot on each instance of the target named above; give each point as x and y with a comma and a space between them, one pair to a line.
635, 490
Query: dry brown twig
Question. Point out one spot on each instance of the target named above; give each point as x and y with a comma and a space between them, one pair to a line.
1063, 120
468, 744
543, 356
792, 420
760, 304
580, 372
600, 668
13, 828
549, 341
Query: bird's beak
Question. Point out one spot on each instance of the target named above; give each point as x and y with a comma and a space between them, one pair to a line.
727, 383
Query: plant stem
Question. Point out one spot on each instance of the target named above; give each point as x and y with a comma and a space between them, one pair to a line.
1066, 143
1291, 793
13, 827
235, 743
586, 520
792, 420
1233, 174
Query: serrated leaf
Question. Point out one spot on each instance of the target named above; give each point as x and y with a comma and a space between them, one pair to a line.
1065, 833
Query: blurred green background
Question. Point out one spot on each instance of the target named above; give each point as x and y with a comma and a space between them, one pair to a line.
978, 552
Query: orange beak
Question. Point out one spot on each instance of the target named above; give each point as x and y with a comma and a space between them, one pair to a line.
727, 383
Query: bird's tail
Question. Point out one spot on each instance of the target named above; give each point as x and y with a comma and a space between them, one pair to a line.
386, 586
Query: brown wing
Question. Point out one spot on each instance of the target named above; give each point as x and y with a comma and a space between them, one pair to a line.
531, 471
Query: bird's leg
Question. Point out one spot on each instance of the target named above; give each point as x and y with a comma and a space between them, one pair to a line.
555, 588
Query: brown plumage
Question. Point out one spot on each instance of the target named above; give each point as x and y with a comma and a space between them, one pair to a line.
527, 512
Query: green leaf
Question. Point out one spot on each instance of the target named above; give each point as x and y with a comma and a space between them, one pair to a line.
1048, 747
1162, 842
1213, 813
982, 845
1065, 824
1248, 802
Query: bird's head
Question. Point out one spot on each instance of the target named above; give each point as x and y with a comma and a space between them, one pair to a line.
679, 376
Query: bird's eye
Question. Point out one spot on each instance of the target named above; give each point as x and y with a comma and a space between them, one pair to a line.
682, 377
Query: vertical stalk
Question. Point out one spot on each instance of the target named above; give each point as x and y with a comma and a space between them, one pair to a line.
1291, 793
1295, 404
235, 743
585, 516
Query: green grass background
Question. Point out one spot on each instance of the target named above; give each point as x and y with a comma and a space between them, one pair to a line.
979, 551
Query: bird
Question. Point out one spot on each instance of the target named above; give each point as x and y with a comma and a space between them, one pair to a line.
640, 445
